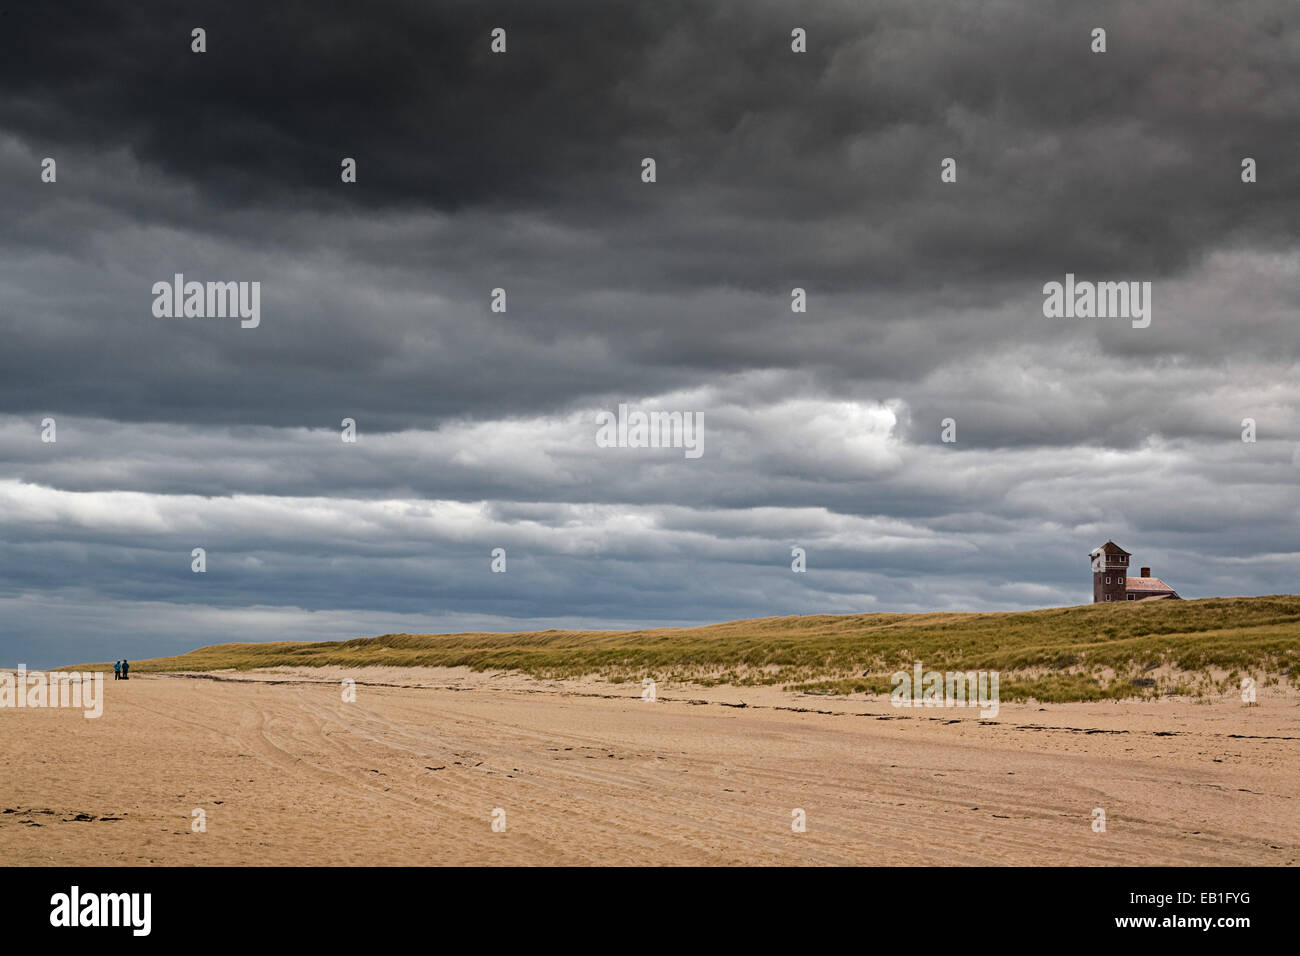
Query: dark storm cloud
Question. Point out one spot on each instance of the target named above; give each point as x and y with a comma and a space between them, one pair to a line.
479, 170
1068, 159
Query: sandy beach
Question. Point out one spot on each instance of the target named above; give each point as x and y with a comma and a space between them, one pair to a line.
586, 772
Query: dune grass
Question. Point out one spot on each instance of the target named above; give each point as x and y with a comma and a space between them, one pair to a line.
1088, 652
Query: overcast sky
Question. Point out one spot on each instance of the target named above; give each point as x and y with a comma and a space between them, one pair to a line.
522, 170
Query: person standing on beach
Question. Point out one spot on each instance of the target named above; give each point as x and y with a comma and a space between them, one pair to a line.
126, 670
117, 670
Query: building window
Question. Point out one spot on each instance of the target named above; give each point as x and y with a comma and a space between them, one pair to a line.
1132, 596
1108, 580
1107, 597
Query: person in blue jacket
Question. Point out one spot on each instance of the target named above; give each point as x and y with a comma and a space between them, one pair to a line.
126, 670
117, 670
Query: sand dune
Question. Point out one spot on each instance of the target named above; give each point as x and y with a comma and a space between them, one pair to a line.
588, 773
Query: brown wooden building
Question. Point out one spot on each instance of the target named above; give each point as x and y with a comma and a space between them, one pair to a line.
1112, 582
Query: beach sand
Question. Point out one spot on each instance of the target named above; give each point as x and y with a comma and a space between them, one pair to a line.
587, 772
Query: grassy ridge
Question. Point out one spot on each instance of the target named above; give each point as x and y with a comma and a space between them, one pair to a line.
1075, 653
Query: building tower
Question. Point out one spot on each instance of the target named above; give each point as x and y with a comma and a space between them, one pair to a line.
1109, 573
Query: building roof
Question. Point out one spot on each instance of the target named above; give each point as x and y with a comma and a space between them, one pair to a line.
1151, 585
1110, 547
